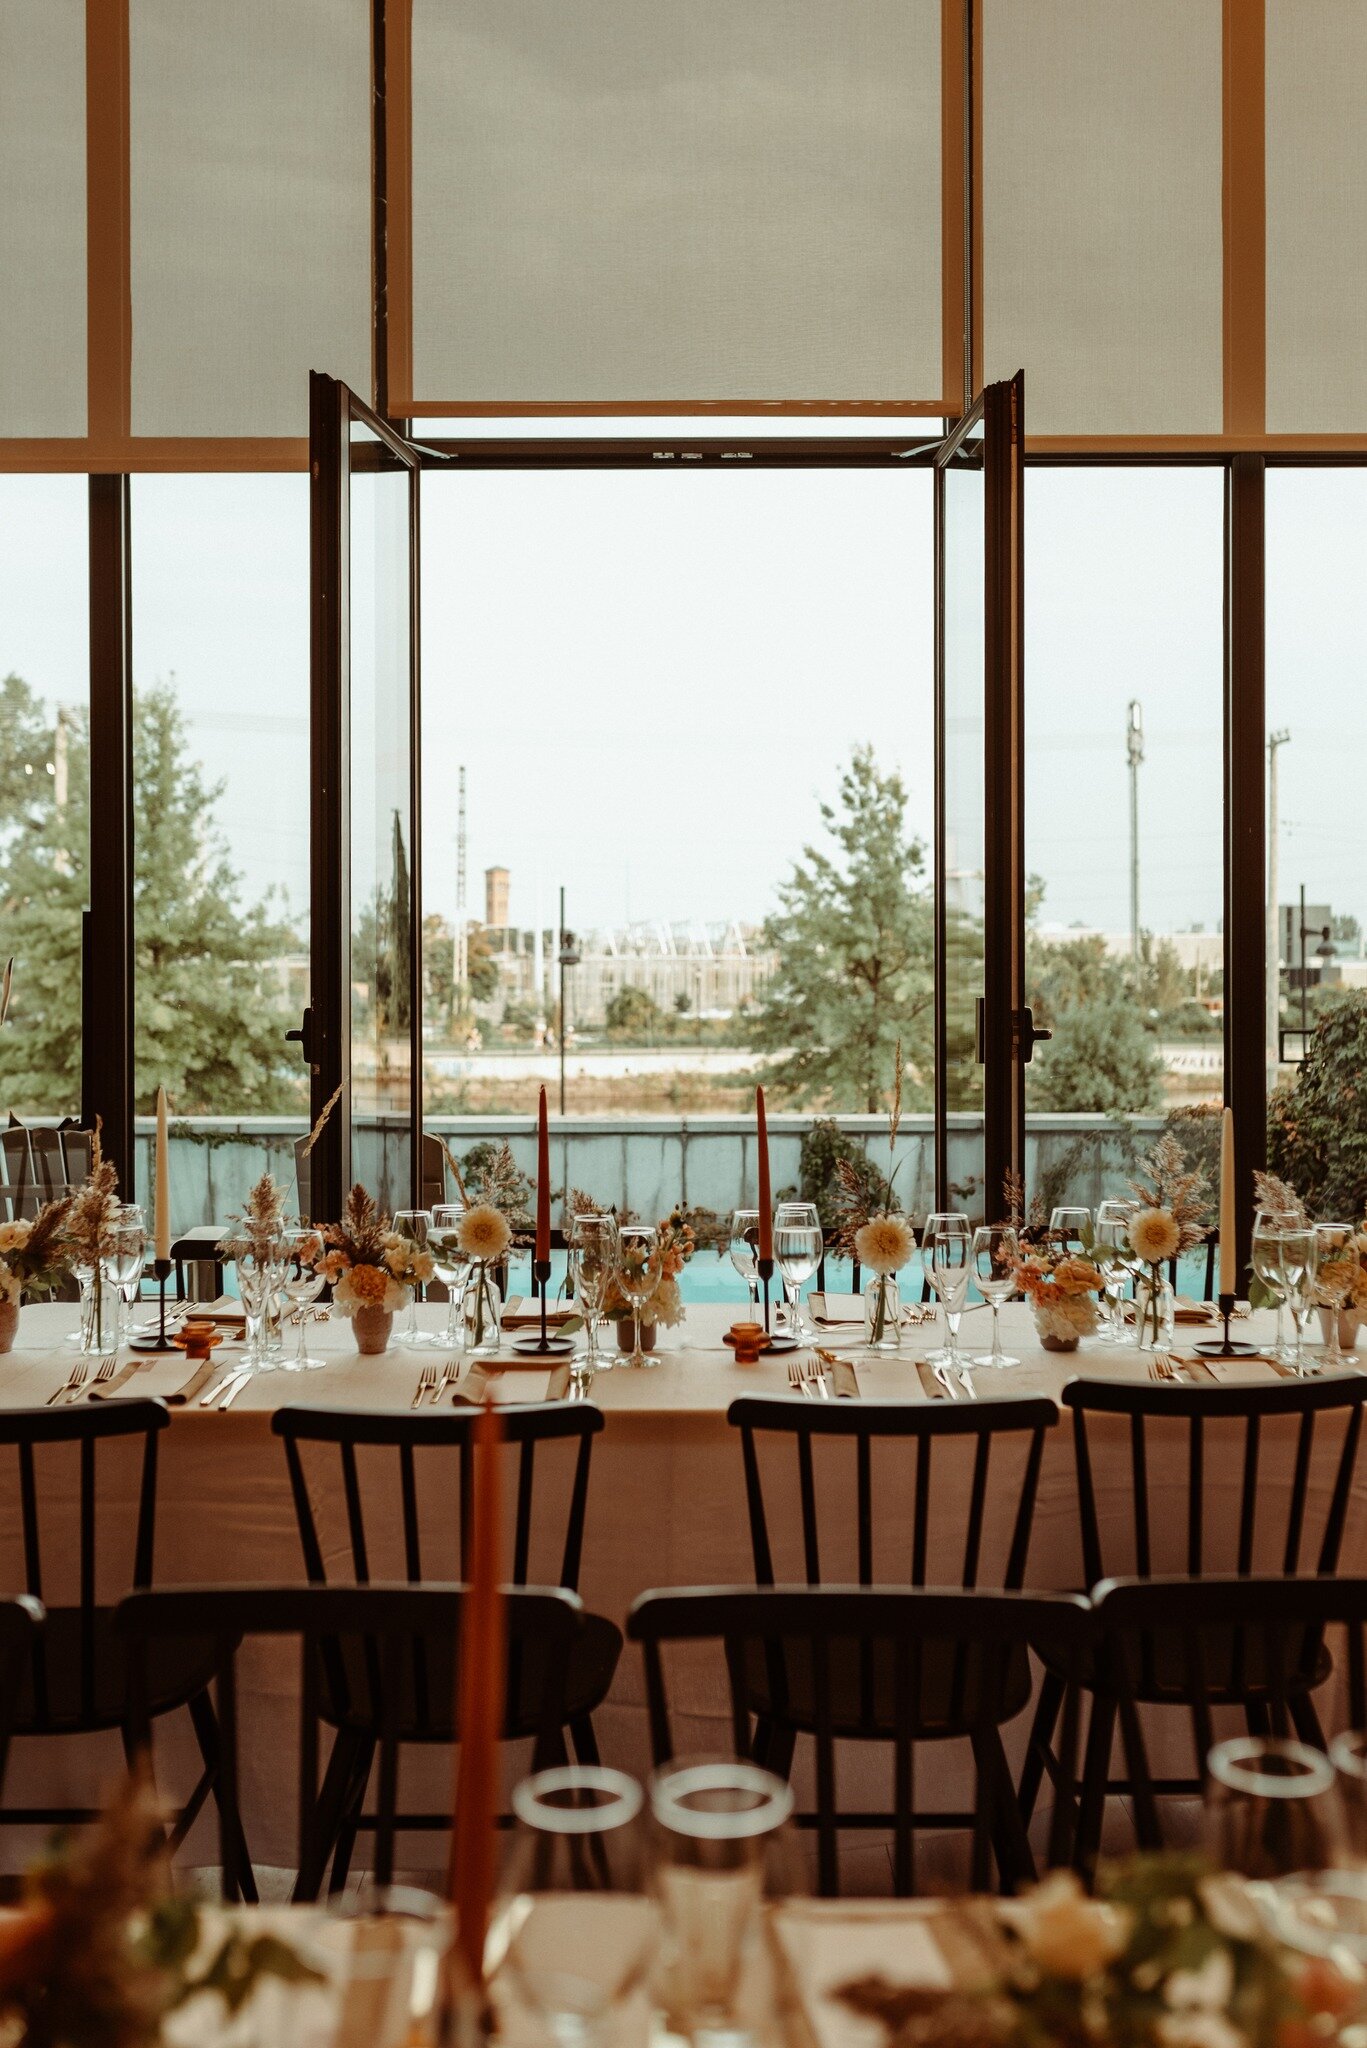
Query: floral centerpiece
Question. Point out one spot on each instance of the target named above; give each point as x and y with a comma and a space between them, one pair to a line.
1167, 1223
1061, 1288
1169, 1954
370, 1268
256, 1245
869, 1229
33, 1261
675, 1244
89, 1241
495, 1192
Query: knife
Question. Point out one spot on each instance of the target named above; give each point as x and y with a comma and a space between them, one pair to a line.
229, 1379
234, 1391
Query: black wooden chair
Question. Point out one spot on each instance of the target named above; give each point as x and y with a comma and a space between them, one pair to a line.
1199, 1644
380, 1660
76, 1682
20, 1620
861, 1663
447, 1435
1270, 1526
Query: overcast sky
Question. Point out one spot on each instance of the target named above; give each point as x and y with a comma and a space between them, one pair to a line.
652, 679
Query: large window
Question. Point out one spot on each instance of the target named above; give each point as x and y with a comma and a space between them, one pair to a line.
221, 789
44, 787
1124, 795
701, 704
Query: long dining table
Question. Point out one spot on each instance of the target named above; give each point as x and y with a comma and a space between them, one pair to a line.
666, 1507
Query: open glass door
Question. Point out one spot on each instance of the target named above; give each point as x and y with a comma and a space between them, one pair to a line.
363, 1033
984, 1032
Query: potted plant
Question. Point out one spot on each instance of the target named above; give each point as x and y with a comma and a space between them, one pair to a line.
33, 1262
674, 1246
371, 1270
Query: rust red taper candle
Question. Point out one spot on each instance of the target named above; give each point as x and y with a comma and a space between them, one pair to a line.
479, 1705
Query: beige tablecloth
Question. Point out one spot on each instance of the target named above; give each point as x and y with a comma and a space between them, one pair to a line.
666, 1508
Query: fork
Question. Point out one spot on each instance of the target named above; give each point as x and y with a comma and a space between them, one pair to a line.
74, 1382
427, 1384
797, 1378
108, 1367
450, 1373
815, 1374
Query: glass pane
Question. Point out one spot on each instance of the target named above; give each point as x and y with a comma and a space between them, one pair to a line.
221, 806
44, 788
964, 745
702, 704
42, 222
381, 909
1124, 647
1316, 870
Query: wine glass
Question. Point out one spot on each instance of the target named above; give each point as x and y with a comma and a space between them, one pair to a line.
573, 1928
1070, 1228
1336, 1273
1271, 1807
745, 1250
797, 1253
722, 1843
1116, 1260
302, 1284
1266, 1254
947, 1254
996, 1253
414, 1226
450, 1264
127, 1258
594, 1255
1298, 1255
636, 1276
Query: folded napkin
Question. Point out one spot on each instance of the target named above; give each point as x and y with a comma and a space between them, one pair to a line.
1239, 1372
824, 1946
171, 1378
836, 1308
536, 1385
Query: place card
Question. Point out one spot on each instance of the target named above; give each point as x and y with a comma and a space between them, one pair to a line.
1239, 1372
822, 1948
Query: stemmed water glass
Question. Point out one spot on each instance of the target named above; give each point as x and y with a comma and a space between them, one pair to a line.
745, 1250
637, 1278
127, 1258
415, 1227
996, 1254
797, 1254
1298, 1255
302, 1284
1070, 1228
1268, 1225
450, 1264
1272, 1808
947, 1255
594, 1259
1336, 1272
1116, 1260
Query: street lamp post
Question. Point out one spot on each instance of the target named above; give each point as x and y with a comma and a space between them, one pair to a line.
567, 956
1134, 749
1273, 940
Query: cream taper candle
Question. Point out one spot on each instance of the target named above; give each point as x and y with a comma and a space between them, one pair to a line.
161, 1221
1229, 1271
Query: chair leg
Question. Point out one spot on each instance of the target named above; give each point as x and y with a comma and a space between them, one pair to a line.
585, 1741
778, 1748
328, 1814
1041, 1735
363, 1756
1306, 1721
1006, 1827
1096, 1767
205, 1725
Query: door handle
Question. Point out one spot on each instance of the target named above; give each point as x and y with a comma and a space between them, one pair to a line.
303, 1037
1029, 1034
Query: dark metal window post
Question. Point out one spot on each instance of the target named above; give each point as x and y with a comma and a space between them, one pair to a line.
1245, 728
107, 949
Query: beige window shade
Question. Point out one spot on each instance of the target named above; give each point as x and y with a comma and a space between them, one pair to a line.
1102, 245
1316, 216
42, 218
250, 207
644, 201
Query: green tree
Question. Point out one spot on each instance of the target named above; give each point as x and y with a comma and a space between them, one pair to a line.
855, 942
212, 1005
1317, 1124
633, 1013
1101, 1058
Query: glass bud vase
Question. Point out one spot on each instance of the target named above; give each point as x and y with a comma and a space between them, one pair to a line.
1154, 1312
99, 1313
482, 1312
883, 1313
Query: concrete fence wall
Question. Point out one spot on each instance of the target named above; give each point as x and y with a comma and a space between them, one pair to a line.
647, 1164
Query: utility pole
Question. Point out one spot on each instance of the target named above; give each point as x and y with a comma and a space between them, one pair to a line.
1134, 747
1272, 943
460, 951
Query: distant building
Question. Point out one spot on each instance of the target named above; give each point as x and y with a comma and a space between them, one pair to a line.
716, 968
496, 882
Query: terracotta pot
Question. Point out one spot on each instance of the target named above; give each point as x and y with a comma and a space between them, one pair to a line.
372, 1327
9, 1324
624, 1338
1350, 1322
1058, 1343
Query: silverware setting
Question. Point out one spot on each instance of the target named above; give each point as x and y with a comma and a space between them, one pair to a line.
954, 1378
427, 1384
228, 1388
450, 1373
75, 1380
806, 1376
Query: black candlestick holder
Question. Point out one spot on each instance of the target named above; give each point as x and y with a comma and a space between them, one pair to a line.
765, 1269
157, 1340
1226, 1348
543, 1345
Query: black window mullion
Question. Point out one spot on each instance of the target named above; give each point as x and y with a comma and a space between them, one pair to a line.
1245, 726
107, 956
